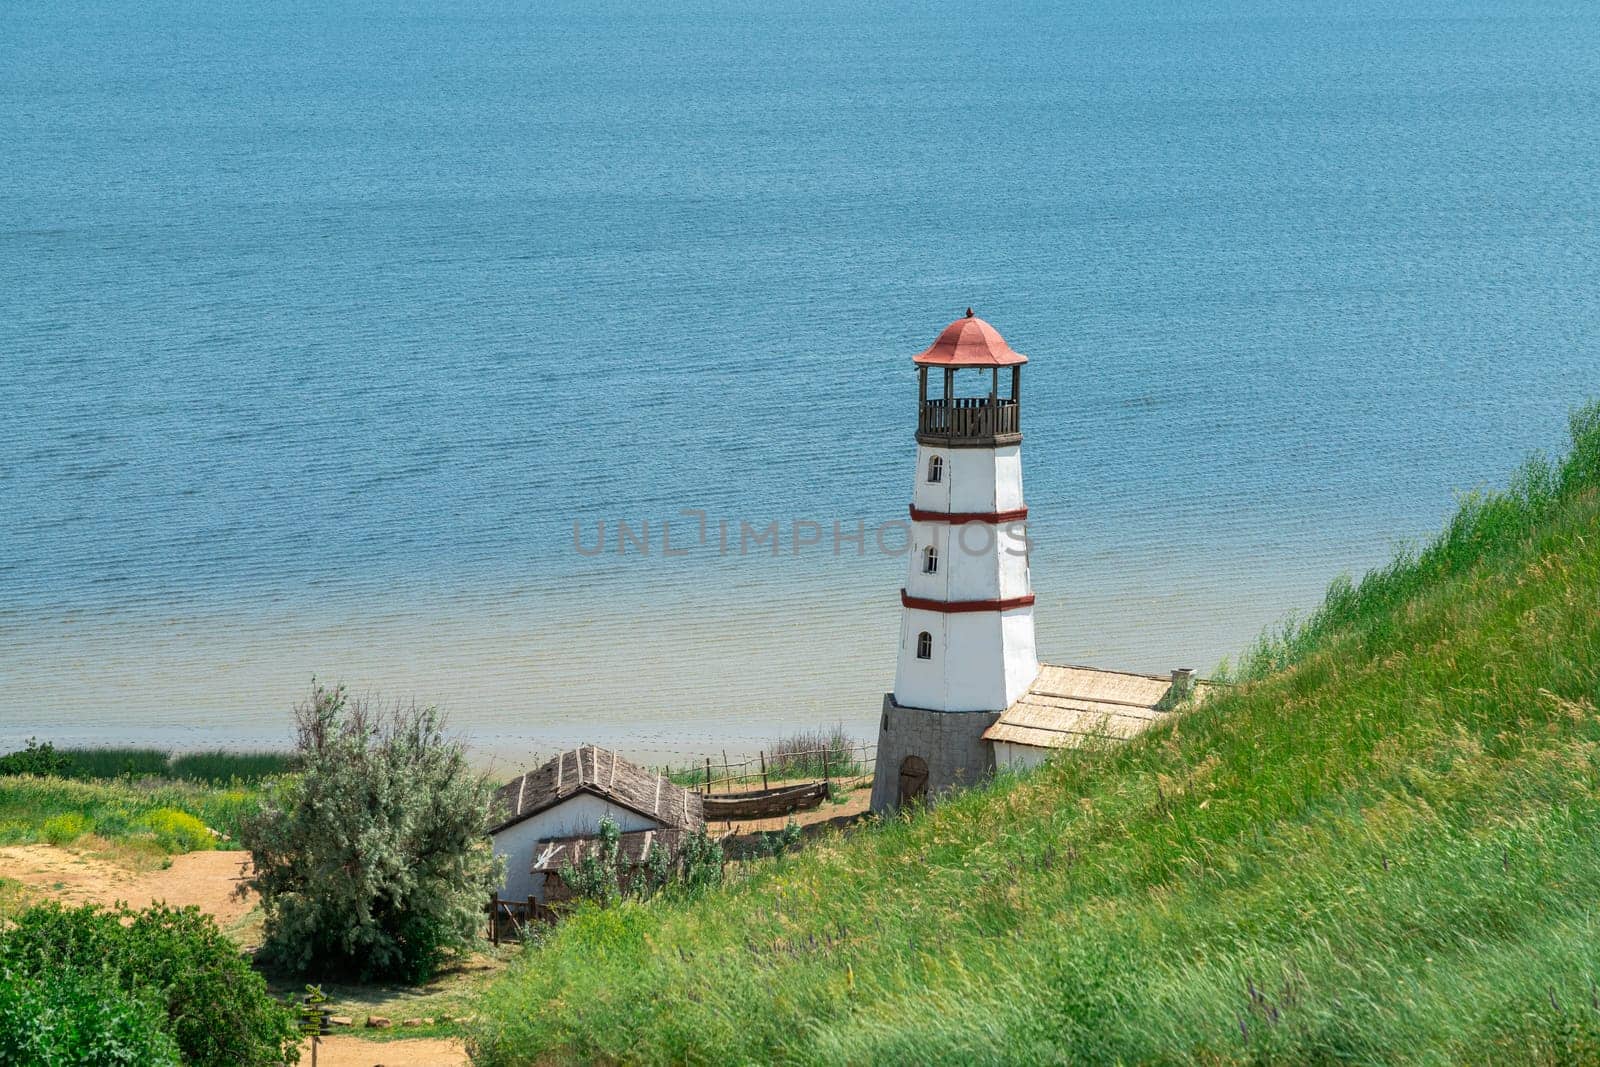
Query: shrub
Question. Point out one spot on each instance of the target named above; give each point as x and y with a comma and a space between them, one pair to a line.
65, 828
599, 876
217, 1010
373, 860
178, 831
777, 842
40, 760
81, 1017
699, 864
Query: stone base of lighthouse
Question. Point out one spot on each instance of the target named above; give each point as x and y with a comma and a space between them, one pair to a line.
923, 753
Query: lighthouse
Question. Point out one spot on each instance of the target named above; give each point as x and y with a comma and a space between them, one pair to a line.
966, 649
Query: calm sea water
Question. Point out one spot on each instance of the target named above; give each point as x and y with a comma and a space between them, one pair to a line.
321, 325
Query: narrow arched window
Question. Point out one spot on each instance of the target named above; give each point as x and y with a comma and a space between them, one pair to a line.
935, 468
930, 560
924, 645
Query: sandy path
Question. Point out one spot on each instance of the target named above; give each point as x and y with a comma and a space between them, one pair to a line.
344, 1051
206, 879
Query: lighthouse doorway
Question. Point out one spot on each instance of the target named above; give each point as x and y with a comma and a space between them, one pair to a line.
913, 780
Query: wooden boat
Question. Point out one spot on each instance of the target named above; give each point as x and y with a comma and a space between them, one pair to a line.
765, 803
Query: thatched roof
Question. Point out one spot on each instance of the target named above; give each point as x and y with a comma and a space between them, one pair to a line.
633, 848
1067, 706
605, 774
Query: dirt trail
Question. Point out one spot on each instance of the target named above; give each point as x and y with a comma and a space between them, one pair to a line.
343, 1051
206, 879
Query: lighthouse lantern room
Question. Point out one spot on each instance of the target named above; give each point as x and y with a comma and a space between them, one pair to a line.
966, 631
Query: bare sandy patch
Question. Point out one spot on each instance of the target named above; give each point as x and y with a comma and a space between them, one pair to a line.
208, 880
342, 1050
61, 874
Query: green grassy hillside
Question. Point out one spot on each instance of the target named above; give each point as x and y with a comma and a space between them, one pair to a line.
1382, 847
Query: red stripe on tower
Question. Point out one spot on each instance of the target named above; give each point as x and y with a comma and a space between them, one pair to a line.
994, 518
954, 607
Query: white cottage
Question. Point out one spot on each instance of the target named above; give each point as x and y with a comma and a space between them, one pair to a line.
567, 797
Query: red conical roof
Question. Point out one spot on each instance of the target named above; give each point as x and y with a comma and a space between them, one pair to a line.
970, 342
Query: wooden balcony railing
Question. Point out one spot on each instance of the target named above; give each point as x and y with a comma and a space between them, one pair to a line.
969, 417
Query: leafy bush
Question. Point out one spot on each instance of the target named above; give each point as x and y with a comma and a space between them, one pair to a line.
699, 864
178, 831
217, 1010
599, 876
778, 842
40, 760
373, 860
65, 828
81, 1017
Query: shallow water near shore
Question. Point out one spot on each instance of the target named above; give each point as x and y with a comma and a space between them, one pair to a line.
321, 327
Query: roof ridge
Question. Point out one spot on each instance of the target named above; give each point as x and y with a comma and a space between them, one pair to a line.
1083, 699
1110, 670
631, 785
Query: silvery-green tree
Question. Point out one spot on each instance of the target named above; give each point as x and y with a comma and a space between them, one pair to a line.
372, 861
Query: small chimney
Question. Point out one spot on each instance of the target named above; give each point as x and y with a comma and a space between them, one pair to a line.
1182, 684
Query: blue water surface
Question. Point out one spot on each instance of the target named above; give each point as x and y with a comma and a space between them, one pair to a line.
322, 324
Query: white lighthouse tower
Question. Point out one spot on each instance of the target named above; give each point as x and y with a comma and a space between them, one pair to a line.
966, 622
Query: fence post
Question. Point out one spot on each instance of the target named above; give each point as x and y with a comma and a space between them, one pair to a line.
824, 766
494, 920
763, 770
708, 776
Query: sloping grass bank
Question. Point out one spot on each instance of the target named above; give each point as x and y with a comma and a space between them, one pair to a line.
1380, 848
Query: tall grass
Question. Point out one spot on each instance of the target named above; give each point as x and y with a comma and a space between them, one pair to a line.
218, 766
689, 777
1485, 527
803, 754
171, 817
221, 766
808, 753
118, 762
1378, 849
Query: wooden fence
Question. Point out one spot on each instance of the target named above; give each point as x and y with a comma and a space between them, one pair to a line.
761, 771
516, 914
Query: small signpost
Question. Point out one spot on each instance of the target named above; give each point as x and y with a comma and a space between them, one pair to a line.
312, 1017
